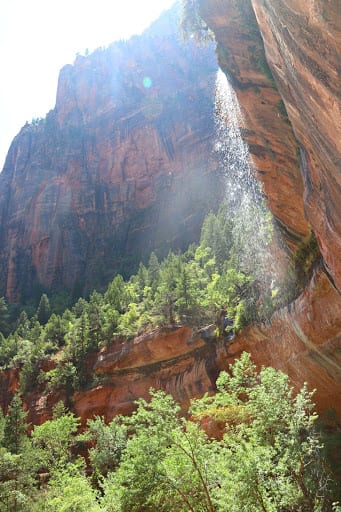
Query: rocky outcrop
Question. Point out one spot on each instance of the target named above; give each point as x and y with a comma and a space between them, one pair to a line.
302, 49
122, 166
303, 340
283, 59
180, 360
302, 42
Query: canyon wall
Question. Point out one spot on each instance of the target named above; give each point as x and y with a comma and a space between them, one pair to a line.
294, 140
180, 360
283, 59
123, 165
292, 47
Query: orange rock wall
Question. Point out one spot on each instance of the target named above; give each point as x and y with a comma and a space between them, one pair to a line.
303, 48
123, 165
302, 42
303, 340
179, 360
265, 125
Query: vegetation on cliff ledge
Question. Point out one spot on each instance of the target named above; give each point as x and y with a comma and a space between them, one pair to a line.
189, 288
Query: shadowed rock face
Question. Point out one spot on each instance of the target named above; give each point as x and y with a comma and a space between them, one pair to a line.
179, 360
122, 166
302, 43
265, 125
303, 340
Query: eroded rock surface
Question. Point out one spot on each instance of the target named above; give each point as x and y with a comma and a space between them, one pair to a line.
265, 125
303, 340
122, 165
302, 43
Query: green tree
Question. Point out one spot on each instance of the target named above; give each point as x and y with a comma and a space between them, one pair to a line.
69, 491
4, 316
142, 459
55, 438
15, 428
116, 294
23, 324
273, 456
17, 481
110, 442
43, 310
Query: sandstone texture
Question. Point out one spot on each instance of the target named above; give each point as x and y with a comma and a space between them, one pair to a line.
264, 123
122, 165
302, 43
303, 48
303, 340
180, 360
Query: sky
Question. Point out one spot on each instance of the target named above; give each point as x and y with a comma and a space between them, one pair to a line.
38, 37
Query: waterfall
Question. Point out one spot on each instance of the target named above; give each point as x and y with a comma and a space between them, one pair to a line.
253, 227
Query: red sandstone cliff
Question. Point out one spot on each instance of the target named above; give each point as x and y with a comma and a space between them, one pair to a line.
301, 43
121, 166
304, 339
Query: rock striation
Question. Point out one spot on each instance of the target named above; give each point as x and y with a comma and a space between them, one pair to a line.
283, 59
264, 123
303, 42
180, 360
122, 165
303, 339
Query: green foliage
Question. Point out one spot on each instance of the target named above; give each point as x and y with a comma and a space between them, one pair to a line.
270, 459
64, 376
15, 426
69, 491
191, 23
55, 439
188, 288
110, 441
44, 310
17, 482
308, 253
3, 316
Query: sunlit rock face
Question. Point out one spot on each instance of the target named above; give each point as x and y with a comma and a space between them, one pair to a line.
302, 41
303, 340
121, 166
302, 48
180, 360
265, 125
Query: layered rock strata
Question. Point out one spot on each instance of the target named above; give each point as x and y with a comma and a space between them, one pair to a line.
302, 340
302, 42
264, 123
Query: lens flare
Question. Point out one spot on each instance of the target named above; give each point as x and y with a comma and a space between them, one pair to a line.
147, 82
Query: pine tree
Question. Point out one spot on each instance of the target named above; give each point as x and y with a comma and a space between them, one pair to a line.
3, 316
44, 310
15, 426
